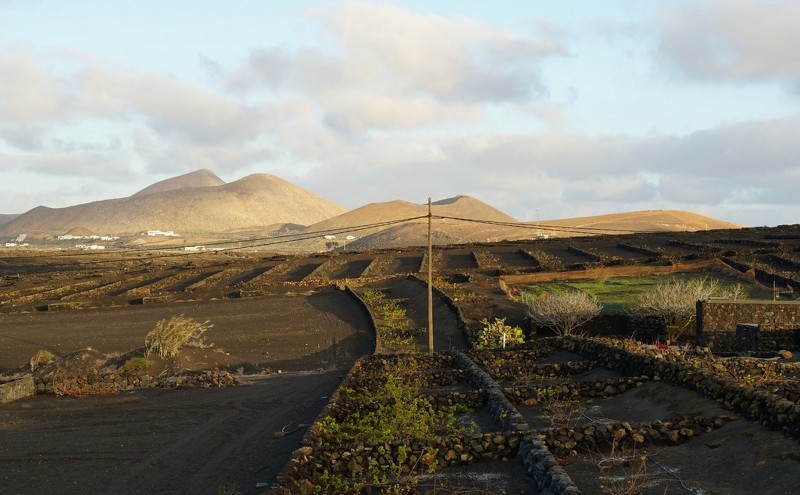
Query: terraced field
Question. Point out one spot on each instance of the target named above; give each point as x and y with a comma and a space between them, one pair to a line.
575, 413
45, 280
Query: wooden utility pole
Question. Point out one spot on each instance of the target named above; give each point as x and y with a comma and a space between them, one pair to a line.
430, 281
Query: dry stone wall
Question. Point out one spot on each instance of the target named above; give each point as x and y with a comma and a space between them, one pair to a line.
17, 389
778, 324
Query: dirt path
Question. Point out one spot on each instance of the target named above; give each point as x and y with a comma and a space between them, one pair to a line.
178, 441
446, 331
158, 441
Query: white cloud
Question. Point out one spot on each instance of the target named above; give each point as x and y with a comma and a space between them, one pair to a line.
61, 163
389, 68
743, 40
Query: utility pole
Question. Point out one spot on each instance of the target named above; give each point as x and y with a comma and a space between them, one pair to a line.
430, 281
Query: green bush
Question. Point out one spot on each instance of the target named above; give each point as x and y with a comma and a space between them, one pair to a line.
497, 334
393, 408
135, 364
169, 336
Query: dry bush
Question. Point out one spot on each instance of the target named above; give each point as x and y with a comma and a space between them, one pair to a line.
622, 471
674, 302
169, 336
41, 358
563, 311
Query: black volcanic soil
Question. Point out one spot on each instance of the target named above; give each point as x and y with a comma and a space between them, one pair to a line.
184, 441
159, 441
194, 441
321, 329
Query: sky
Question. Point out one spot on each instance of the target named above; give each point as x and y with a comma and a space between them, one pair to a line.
541, 109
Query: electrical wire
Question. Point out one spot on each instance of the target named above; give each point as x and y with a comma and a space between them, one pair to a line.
541, 226
265, 241
239, 244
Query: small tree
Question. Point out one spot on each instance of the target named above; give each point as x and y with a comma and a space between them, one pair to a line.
168, 336
674, 302
563, 311
497, 334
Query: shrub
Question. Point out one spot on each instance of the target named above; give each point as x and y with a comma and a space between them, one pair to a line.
392, 408
41, 358
169, 336
674, 302
135, 364
563, 311
497, 334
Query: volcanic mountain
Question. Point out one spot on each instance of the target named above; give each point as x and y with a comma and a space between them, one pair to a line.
463, 219
197, 202
5, 218
198, 178
387, 225
200, 205
642, 221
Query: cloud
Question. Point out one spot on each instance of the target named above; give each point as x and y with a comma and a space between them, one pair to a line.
716, 169
30, 97
166, 158
741, 41
81, 164
39, 91
390, 68
174, 109
611, 189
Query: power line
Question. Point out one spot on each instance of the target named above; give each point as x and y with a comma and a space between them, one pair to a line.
273, 240
537, 226
239, 244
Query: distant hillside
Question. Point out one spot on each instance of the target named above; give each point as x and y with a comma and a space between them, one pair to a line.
198, 178
4, 218
459, 232
646, 221
201, 207
409, 234
458, 207
251, 202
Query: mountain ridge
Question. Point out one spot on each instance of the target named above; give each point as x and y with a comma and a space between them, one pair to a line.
251, 202
202, 205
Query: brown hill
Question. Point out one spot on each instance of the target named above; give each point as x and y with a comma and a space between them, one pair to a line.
6, 218
449, 231
361, 223
251, 202
644, 221
198, 178
457, 207
79, 231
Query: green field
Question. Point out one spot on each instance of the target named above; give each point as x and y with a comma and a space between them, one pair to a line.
617, 293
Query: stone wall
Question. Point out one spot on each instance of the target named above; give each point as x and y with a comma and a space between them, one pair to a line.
706, 374
17, 389
778, 322
62, 383
716, 265
512, 441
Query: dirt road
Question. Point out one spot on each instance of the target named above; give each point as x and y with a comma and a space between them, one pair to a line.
158, 441
184, 441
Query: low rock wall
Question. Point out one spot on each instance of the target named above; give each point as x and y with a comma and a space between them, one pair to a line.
315, 456
778, 322
705, 376
349, 290
539, 461
114, 382
17, 389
